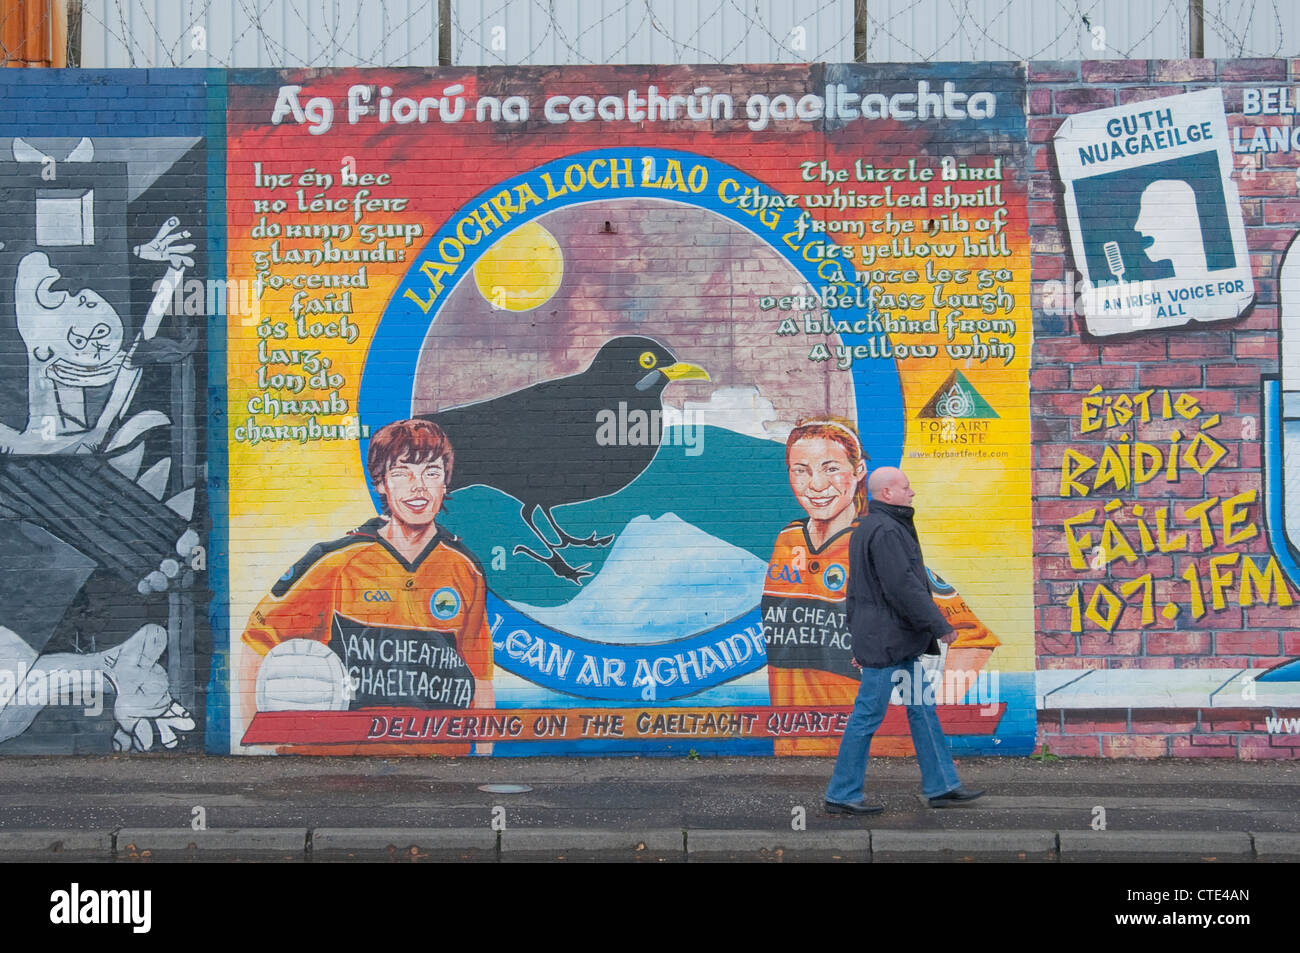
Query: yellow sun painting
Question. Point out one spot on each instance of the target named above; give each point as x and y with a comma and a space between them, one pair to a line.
522, 270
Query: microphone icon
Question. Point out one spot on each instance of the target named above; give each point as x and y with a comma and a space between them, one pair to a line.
1114, 260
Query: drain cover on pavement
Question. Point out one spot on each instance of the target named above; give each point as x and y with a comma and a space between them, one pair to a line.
505, 788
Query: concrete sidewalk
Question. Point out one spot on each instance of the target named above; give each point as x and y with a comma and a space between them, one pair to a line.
295, 809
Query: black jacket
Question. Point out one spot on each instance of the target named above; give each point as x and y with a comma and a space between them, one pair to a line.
891, 613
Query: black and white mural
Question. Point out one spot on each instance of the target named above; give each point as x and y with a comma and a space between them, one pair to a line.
103, 637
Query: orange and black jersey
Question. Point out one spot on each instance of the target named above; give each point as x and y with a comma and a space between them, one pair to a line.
409, 634
803, 607
805, 598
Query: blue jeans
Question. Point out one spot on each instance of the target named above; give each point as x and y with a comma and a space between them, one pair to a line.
938, 773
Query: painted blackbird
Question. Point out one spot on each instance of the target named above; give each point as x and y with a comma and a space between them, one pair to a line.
568, 440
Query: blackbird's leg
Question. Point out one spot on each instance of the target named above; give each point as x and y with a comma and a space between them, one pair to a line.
555, 561
558, 565
567, 540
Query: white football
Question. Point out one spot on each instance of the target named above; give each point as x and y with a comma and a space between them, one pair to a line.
302, 675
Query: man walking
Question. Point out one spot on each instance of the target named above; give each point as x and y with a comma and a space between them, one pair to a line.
893, 620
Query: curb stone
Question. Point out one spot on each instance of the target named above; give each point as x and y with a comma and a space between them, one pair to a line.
860, 843
1008, 842
664, 841
281, 840
857, 841
1277, 846
56, 842
1209, 843
358, 839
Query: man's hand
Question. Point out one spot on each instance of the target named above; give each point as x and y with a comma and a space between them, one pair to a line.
950, 638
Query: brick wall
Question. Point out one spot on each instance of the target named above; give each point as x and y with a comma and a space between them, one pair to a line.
106, 251
174, 470
1220, 366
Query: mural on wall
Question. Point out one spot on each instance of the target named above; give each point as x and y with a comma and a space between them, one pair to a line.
627, 373
541, 403
101, 540
809, 646
613, 318
1282, 425
437, 646
1155, 221
1165, 570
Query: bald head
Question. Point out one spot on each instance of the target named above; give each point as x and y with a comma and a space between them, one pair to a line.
890, 485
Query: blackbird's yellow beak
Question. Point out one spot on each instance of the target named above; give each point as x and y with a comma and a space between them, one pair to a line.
682, 371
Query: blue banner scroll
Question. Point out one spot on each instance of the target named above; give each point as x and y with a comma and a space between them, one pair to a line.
655, 672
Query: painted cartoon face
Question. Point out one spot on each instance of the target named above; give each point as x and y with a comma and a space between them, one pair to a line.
822, 478
80, 328
415, 491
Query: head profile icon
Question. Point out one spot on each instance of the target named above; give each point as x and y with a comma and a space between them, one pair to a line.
1166, 217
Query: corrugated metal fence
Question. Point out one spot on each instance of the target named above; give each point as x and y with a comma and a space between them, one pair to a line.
292, 33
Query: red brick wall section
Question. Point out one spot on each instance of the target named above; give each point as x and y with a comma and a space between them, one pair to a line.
1243, 734
1214, 370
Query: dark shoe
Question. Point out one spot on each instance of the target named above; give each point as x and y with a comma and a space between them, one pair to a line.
958, 795
858, 808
